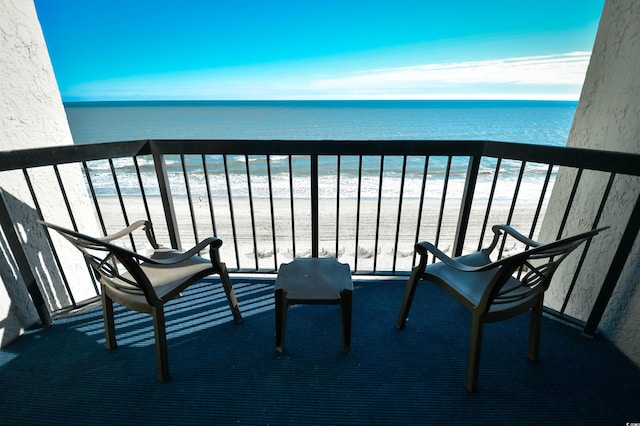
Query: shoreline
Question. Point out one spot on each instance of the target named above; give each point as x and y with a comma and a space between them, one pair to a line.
376, 235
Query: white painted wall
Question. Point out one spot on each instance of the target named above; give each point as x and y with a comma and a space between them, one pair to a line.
31, 115
607, 118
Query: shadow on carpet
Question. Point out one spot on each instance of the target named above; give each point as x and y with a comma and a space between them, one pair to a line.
223, 373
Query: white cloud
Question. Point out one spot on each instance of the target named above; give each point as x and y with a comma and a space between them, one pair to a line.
558, 77
536, 75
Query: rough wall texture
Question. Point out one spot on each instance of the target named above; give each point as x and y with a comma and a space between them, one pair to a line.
607, 118
31, 115
31, 112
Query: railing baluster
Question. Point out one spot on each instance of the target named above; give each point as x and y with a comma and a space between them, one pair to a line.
338, 206
231, 211
273, 215
96, 205
516, 192
143, 193
167, 201
293, 220
251, 211
442, 202
543, 193
421, 206
207, 185
65, 198
187, 186
492, 192
315, 222
572, 196
375, 246
399, 218
514, 200
359, 196
116, 185
465, 207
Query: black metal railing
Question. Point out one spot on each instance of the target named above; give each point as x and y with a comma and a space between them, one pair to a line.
365, 202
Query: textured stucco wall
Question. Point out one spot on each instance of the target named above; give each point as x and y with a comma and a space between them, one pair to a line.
608, 118
31, 112
31, 115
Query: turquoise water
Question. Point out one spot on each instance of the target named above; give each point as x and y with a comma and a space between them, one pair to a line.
532, 122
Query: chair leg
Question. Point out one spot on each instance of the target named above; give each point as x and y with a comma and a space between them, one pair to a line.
473, 362
231, 296
109, 321
410, 291
162, 355
535, 330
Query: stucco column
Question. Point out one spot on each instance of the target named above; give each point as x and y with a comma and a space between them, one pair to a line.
607, 118
31, 115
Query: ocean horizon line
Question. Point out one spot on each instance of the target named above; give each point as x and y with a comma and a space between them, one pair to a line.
436, 103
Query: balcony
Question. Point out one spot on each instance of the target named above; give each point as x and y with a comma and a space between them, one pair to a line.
366, 203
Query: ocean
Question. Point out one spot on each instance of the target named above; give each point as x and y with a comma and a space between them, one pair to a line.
529, 122
536, 122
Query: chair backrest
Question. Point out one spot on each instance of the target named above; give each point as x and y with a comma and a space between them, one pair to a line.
534, 268
108, 261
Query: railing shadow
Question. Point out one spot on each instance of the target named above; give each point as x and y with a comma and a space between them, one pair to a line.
32, 286
224, 373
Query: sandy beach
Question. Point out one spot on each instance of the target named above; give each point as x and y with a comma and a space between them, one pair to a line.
366, 241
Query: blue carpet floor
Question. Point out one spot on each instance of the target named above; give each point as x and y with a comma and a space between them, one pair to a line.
223, 373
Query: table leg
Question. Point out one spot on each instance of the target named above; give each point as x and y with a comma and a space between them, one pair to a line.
281, 317
345, 309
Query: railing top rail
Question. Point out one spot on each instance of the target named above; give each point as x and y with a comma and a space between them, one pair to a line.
607, 161
62, 154
320, 147
592, 159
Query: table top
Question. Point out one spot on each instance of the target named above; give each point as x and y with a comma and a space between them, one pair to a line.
314, 278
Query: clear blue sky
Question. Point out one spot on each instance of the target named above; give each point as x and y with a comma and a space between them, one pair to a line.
324, 49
